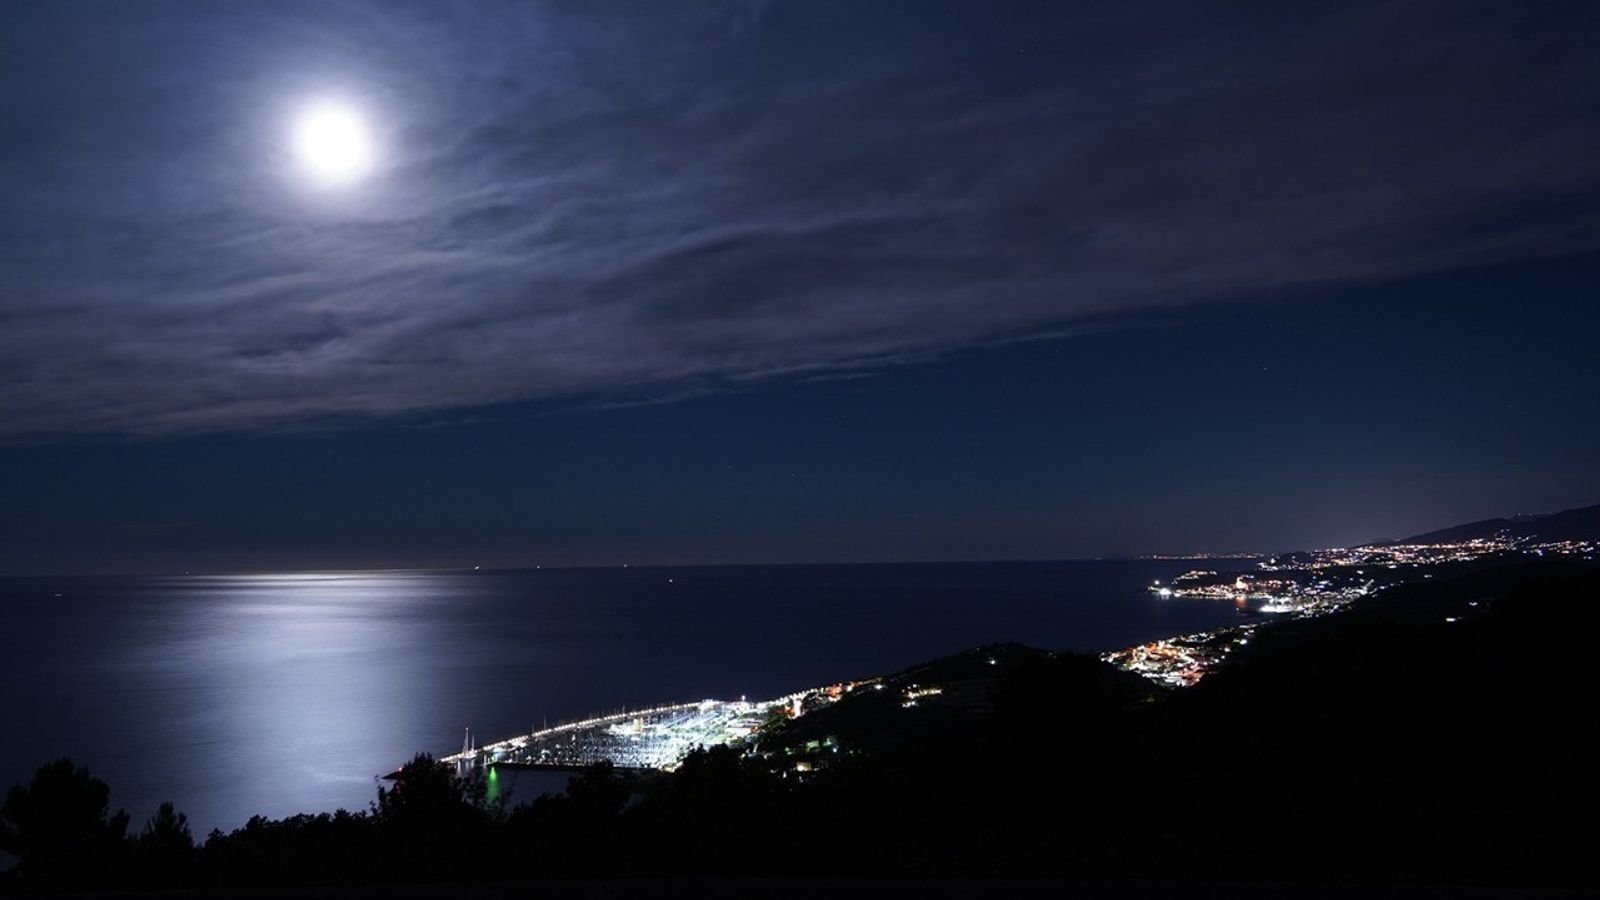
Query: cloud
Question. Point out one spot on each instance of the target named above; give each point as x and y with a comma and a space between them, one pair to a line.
622, 203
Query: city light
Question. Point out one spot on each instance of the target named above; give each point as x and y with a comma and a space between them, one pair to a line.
1305, 585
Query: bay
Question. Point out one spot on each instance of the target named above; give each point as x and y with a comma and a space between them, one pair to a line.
277, 694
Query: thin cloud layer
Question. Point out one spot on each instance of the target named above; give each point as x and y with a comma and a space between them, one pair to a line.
611, 201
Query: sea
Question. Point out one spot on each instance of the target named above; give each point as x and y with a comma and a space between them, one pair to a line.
243, 695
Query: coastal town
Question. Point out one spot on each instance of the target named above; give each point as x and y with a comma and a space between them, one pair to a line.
1278, 588
1308, 584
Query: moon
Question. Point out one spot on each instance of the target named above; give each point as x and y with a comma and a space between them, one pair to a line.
333, 144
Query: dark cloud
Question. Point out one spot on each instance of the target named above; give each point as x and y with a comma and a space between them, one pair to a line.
643, 200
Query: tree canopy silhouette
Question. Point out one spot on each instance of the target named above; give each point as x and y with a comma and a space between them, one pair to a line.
59, 827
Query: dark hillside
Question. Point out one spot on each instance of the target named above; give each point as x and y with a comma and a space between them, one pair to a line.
1486, 528
1581, 524
1437, 731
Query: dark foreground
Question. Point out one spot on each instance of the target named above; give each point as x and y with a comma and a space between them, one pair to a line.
1435, 737
867, 889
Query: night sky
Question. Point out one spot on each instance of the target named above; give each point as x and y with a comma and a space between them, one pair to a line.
788, 281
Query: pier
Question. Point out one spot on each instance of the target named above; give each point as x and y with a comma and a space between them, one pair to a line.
653, 738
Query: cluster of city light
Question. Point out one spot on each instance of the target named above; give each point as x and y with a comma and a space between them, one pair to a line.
656, 737
1300, 585
1182, 661
1274, 595
917, 691
1585, 549
1395, 556
511, 746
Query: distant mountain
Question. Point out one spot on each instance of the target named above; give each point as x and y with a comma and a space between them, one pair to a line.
1581, 524
1484, 529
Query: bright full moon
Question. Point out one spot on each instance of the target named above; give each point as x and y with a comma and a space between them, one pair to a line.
333, 144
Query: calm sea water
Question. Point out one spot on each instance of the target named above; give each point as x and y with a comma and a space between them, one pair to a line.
277, 694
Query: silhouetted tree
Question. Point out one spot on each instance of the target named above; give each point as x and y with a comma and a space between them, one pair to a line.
597, 793
58, 826
432, 821
719, 812
167, 831
164, 853
428, 791
574, 834
336, 848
